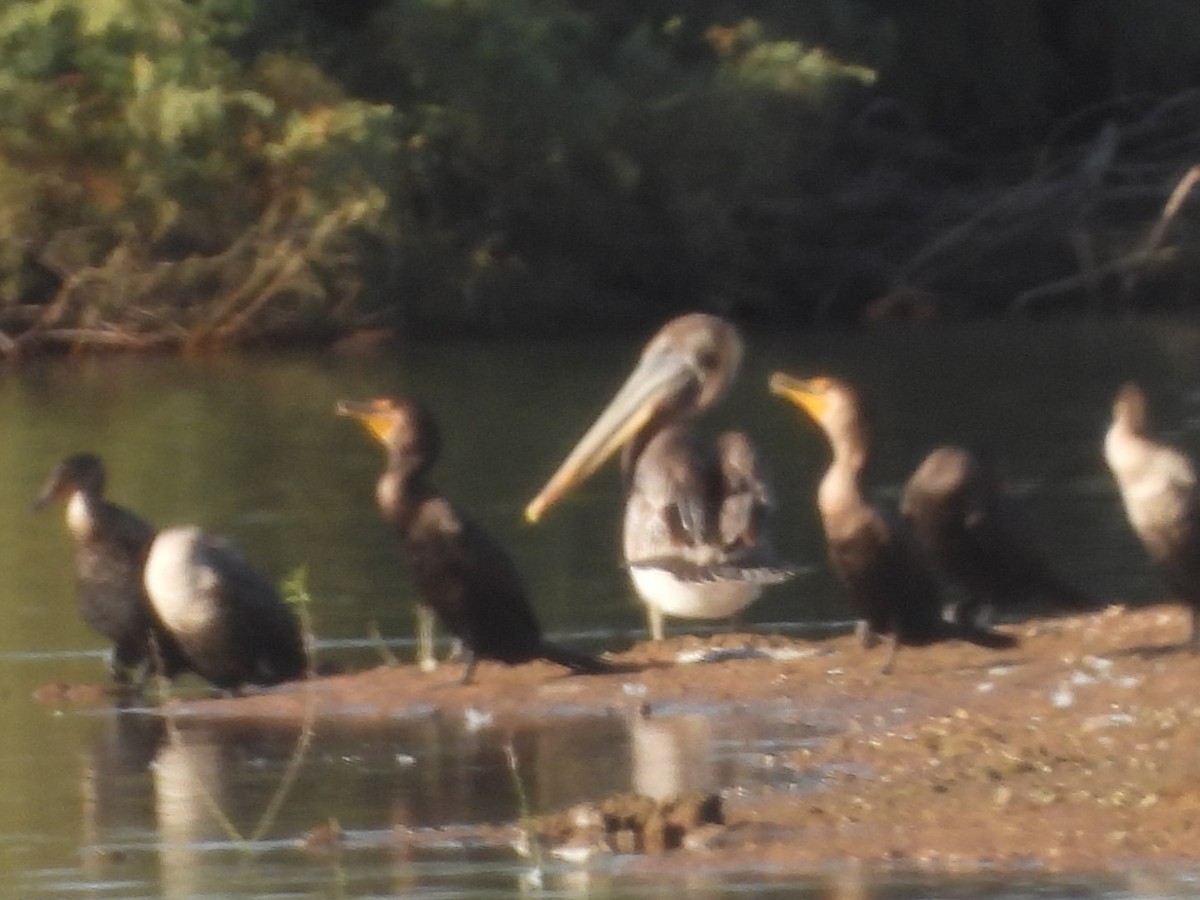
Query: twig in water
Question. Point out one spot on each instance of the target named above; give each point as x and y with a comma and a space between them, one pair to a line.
525, 818
380, 645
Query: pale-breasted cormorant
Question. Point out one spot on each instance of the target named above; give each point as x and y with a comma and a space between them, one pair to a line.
1158, 487
111, 544
894, 593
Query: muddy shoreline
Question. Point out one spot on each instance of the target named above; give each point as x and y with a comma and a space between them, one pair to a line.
1074, 753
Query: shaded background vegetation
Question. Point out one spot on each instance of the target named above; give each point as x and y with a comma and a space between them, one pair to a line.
223, 171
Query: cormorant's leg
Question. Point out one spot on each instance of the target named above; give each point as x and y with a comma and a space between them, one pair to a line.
866, 634
1194, 640
125, 662
472, 660
975, 611
654, 621
889, 663
426, 659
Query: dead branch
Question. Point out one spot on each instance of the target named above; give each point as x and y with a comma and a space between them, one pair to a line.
1170, 210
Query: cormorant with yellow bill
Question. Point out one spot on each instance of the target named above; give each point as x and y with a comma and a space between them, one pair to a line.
694, 531
111, 544
461, 572
894, 593
1158, 488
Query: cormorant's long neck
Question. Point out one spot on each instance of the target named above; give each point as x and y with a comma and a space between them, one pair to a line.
840, 487
1126, 449
402, 488
82, 508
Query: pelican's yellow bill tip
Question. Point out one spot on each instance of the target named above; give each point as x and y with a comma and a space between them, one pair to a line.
533, 512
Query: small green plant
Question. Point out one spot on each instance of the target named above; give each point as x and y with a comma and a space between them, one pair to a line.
295, 593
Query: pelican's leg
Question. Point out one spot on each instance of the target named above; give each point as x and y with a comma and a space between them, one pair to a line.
426, 659
654, 622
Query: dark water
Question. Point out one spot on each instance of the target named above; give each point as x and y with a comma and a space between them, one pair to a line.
104, 805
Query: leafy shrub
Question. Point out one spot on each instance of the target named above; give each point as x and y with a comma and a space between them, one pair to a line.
151, 188
558, 168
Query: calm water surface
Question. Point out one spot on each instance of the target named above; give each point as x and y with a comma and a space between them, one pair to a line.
100, 804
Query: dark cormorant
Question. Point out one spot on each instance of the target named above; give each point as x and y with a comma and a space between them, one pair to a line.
110, 550
460, 570
694, 537
953, 504
894, 593
1158, 488
228, 618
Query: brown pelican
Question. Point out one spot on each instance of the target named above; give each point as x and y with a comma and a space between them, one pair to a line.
952, 503
110, 549
461, 572
227, 617
1158, 488
694, 538
894, 593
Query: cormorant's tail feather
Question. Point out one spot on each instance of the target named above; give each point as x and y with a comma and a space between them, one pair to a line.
574, 660
983, 637
1067, 596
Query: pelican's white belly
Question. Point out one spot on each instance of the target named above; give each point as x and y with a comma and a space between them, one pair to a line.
672, 596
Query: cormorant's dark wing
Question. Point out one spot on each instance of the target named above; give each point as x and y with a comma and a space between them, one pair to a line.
468, 579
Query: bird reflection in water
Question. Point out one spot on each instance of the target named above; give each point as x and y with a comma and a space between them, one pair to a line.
186, 776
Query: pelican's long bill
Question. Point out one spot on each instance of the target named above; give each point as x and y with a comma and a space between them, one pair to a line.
662, 374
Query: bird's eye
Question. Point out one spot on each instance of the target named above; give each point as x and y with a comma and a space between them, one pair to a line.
708, 359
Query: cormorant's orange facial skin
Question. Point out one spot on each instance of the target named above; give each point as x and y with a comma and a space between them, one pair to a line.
811, 395
377, 416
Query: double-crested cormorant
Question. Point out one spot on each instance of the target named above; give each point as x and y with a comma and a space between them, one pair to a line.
953, 504
1158, 488
460, 570
110, 550
894, 592
694, 538
228, 618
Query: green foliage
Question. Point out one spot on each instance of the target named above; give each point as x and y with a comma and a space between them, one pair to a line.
212, 171
549, 171
150, 185
294, 589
